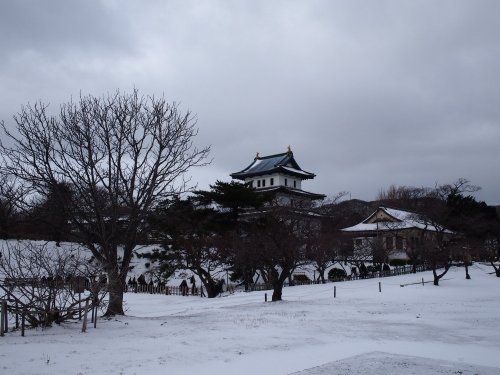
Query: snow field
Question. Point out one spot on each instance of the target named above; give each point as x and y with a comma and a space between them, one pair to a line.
416, 328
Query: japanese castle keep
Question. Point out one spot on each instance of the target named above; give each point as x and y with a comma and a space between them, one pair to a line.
279, 174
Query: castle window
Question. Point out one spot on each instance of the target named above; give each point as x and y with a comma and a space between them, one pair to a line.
272, 181
294, 183
258, 183
286, 182
263, 183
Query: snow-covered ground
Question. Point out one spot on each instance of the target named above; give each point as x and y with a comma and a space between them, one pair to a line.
450, 329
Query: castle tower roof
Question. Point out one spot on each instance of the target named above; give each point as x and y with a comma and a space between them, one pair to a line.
283, 163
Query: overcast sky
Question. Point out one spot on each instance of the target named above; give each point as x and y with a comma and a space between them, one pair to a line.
366, 93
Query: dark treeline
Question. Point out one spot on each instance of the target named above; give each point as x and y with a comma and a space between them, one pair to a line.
230, 231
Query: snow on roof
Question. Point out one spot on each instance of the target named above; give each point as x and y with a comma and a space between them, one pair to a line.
299, 171
399, 214
362, 227
403, 220
284, 162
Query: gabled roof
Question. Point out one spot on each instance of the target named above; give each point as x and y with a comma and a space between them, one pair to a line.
279, 163
386, 214
387, 219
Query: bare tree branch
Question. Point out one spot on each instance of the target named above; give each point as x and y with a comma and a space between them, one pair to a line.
121, 154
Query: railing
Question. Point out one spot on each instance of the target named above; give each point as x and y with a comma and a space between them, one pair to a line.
396, 271
23, 316
165, 289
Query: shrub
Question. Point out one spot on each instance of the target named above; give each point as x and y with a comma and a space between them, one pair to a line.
336, 274
397, 262
300, 278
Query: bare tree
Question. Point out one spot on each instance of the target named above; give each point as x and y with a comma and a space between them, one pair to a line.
403, 196
357, 251
278, 236
121, 154
242, 258
48, 282
414, 250
490, 251
436, 239
48, 218
10, 194
435, 243
326, 245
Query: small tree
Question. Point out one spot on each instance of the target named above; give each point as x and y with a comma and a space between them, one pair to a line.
278, 237
192, 240
48, 218
48, 282
437, 243
325, 243
414, 250
491, 252
437, 239
11, 192
477, 222
325, 246
234, 202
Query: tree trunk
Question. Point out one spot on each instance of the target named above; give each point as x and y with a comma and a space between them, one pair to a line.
438, 277
321, 272
212, 287
248, 279
115, 290
277, 291
497, 269
212, 291
278, 280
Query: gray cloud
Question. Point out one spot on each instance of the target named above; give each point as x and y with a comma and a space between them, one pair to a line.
368, 94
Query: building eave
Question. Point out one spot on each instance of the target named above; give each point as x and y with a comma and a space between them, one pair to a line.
303, 175
291, 191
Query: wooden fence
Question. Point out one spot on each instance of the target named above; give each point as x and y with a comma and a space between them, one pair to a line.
22, 316
198, 291
165, 289
396, 271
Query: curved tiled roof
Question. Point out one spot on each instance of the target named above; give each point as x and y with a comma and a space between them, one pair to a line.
279, 163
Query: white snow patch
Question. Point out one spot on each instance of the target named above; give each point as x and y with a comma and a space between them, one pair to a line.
418, 329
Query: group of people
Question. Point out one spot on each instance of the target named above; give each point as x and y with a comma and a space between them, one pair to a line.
184, 288
364, 271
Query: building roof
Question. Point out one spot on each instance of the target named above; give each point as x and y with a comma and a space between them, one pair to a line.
279, 163
387, 219
290, 191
